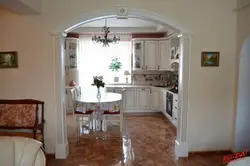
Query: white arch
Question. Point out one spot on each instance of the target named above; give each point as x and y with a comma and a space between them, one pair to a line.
181, 148
133, 13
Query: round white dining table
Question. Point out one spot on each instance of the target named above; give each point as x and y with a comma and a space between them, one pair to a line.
106, 97
89, 103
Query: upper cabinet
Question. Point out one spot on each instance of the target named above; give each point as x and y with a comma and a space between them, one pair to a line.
151, 54
71, 61
138, 51
164, 47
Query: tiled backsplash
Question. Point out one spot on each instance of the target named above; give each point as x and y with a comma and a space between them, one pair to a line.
153, 77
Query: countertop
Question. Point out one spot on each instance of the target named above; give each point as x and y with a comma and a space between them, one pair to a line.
136, 86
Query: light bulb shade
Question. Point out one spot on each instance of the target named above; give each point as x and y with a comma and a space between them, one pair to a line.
126, 73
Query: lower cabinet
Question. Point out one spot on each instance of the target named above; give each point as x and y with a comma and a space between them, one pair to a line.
130, 99
137, 99
143, 98
156, 99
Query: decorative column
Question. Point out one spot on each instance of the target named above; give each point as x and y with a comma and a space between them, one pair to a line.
181, 145
61, 149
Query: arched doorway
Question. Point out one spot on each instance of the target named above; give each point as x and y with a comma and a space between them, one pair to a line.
181, 148
242, 138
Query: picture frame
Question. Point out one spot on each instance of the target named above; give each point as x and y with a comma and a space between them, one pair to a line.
210, 59
8, 59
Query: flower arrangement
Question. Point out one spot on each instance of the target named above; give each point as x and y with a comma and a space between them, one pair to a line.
98, 81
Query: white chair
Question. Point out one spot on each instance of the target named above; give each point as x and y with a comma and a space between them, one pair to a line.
116, 118
79, 119
21, 151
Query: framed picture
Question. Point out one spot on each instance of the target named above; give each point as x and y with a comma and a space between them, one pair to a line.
8, 59
210, 58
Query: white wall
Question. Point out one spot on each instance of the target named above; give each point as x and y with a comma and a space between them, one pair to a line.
34, 77
213, 27
242, 137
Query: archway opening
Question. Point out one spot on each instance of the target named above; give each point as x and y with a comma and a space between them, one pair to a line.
149, 17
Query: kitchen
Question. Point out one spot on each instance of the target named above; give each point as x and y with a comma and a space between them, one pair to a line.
154, 75
151, 66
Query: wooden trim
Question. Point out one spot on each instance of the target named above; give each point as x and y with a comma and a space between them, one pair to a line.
21, 101
211, 152
148, 35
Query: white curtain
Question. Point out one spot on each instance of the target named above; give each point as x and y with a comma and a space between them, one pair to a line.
94, 59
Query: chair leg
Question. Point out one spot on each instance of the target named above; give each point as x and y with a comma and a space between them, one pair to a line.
121, 125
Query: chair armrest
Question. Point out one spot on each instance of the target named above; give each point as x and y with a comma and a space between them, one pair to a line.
39, 126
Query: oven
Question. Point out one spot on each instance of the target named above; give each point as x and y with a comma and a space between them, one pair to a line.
169, 103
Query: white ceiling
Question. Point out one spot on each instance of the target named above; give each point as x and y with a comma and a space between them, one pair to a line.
130, 22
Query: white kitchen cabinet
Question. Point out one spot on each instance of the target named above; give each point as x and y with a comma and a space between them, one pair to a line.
156, 99
138, 55
151, 55
163, 56
164, 99
71, 60
130, 99
143, 98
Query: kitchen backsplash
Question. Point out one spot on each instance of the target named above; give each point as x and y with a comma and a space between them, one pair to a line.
153, 77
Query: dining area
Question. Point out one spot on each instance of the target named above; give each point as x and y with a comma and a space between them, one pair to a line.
95, 112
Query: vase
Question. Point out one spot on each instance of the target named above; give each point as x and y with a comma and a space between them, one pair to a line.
98, 93
116, 77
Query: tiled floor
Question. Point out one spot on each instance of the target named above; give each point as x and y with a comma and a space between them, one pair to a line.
147, 141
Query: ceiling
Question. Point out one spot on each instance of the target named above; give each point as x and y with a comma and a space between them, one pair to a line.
114, 22
129, 25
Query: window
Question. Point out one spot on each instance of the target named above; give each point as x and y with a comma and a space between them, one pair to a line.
94, 59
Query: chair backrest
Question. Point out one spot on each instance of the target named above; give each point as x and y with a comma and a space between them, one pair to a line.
78, 91
73, 95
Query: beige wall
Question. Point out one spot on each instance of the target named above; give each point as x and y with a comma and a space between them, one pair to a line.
213, 27
34, 77
242, 121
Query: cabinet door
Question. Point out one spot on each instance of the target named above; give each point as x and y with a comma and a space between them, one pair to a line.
130, 99
151, 55
164, 106
143, 98
160, 105
164, 59
155, 99
138, 51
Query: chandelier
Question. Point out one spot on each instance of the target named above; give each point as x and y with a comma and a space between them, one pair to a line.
104, 40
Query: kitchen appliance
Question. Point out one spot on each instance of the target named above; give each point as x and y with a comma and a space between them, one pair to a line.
169, 103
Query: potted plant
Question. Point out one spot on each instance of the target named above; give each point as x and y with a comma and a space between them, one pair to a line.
115, 66
98, 82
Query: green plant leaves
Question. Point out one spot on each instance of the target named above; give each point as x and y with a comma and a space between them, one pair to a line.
115, 64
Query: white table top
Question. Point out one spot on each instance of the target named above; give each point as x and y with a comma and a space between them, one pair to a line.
240, 162
105, 97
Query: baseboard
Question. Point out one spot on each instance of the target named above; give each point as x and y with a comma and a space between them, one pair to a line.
181, 149
211, 152
62, 151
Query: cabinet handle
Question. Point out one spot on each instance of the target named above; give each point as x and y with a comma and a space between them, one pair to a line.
175, 107
176, 100
146, 67
158, 67
142, 88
